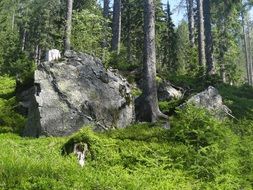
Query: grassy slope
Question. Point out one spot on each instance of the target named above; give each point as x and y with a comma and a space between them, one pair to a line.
199, 152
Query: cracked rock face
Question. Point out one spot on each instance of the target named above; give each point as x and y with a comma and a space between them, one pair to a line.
75, 92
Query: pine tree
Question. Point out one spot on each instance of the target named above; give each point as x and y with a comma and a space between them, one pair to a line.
169, 43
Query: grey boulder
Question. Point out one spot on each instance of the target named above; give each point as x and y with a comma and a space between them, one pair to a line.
77, 91
212, 101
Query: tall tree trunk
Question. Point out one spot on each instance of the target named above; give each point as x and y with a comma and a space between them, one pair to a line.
223, 73
39, 55
36, 57
23, 40
129, 38
250, 56
245, 48
208, 38
191, 22
68, 25
201, 36
116, 26
149, 108
106, 8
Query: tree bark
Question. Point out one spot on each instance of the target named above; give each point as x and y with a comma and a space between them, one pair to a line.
208, 38
68, 26
245, 48
223, 73
191, 22
201, 36
250, 57
23, 40
129, 37
13, 21
106, 8
116, 26
149, 109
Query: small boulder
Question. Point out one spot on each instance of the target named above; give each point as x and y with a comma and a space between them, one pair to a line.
212, 101
167, 92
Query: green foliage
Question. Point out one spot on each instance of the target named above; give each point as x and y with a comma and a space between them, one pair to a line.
10, 120
186, 55
7, 86
226, 34
166, 40
136, 92
121, 61
239, 100
90, 31
169, 106
143, 156
197, 127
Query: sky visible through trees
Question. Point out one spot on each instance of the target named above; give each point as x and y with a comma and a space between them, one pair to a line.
178, 12
177, 15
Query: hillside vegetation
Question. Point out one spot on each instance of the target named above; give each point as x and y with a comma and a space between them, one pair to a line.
198, 152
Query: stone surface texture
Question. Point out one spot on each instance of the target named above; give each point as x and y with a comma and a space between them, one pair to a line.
212, 101
77, 91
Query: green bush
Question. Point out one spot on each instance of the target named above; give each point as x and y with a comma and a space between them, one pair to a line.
10, 120
169, 106
197, 127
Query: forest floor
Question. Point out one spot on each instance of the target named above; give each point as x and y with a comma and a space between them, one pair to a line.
198, 152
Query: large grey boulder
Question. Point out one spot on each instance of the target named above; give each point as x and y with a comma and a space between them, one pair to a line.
75, 92
212, 101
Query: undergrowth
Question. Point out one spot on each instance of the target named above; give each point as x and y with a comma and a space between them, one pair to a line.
199, 151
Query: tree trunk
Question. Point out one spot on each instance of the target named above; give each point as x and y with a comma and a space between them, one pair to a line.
223, 73
68, 25
191, 24
36, 57
116, 26
129, 38
23, 40
250, 57
245, 48
208, 38
201, 36
106, 8
149, 108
